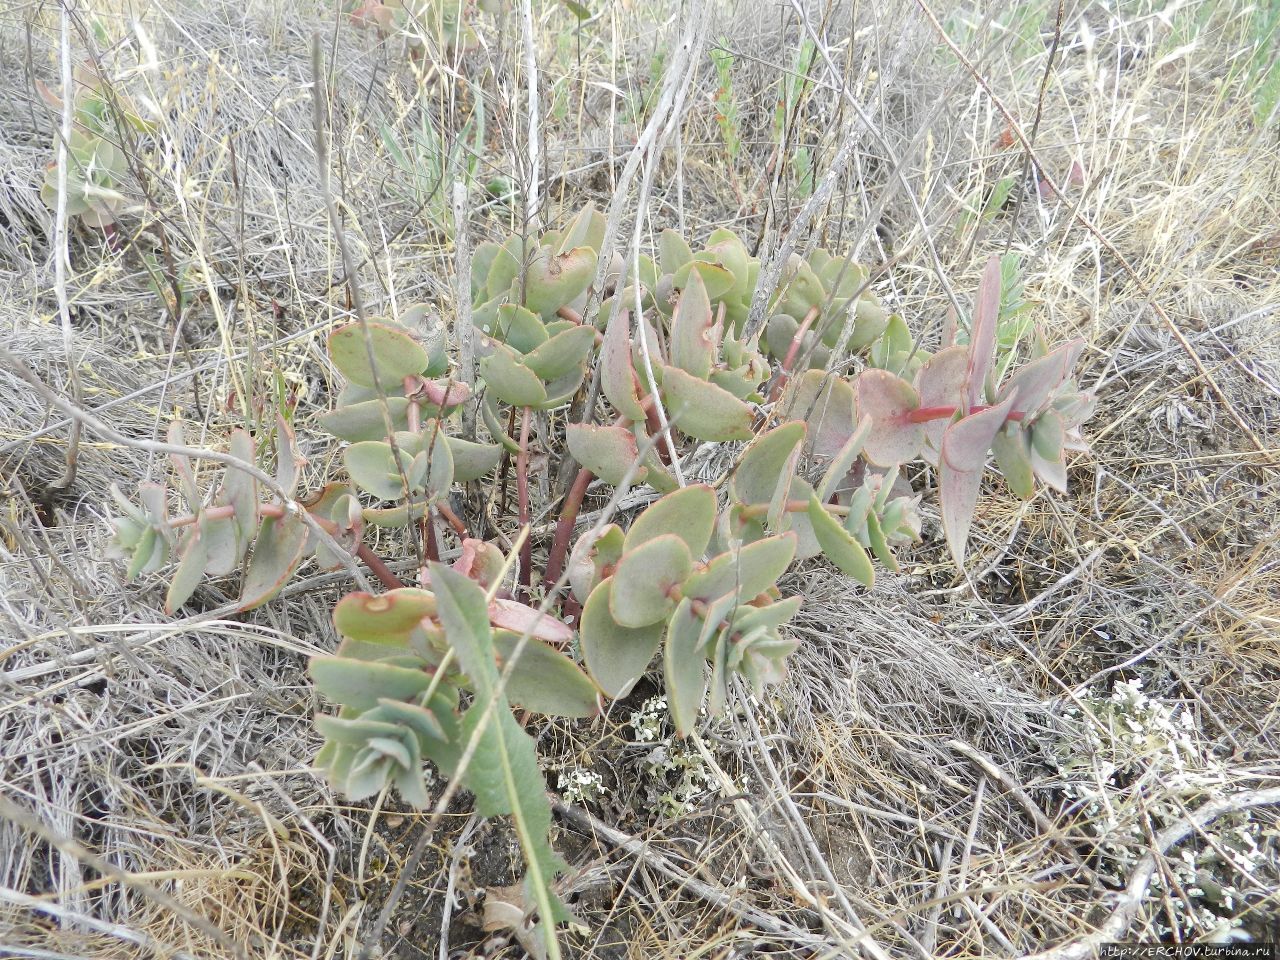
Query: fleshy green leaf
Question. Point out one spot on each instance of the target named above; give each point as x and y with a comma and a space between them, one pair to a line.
223, 548
693, 343
801, 490
544, 679
396, 354
615, 655
593, 558
685, 668
361, 683
608, 452
689, 513
388, 618
843, 461
889, 400
824, 401
940, 382
1012, 449
587, 228
643, 582
768, 464
673, 251
717, 280
288, 460
394, 516
748, 570
703, 410
555, 280
617, 376
964, 453
1048, 435
510, 380
839, 547
982, 334
1035, 383
190, 571
372, 467
276, 554
879, 545
471, 460
966, 442
958, 495
365, 420
240, 491
182, 467
516, 326
562, 353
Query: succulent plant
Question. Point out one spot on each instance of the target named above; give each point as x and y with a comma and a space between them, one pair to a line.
96, 165
441, 24
824, 306
430, 673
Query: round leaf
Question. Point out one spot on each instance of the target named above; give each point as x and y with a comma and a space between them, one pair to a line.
387, 618
562, 353
689, 513
608, 452
704, 410
396, 354
510, 380
365, 421
645, 579
767, 464
616, 655
543, 679
889, 400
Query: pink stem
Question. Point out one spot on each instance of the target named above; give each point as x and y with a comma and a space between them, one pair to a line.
792, 352
925, 414
522, 494
564, 526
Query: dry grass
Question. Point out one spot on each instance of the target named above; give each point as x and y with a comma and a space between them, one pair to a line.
175, 754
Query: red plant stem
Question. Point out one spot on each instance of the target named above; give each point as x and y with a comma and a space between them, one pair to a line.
452, 519
522, 494
374, 562
564, 526
654, 427
925, 414
506, 465
377, 566
792, 352
429, 535
209, 513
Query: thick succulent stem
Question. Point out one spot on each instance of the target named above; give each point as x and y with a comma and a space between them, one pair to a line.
925, 414
653, 425
375, 564
429, 535
564, 526
522, 495
454, 521
793, 351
